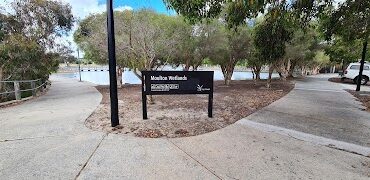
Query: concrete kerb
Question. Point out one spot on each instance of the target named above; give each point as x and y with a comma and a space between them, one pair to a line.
340, 145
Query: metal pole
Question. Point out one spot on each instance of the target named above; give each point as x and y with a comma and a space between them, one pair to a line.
361, 66
79, 63
112, 65
210, 105
143, 96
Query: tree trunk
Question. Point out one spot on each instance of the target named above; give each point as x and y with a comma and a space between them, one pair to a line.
287, 69
291, 70
257, 72
280, 75
187, 66
283, 67
283, 76
1, 78
316, 70
303, 71
119, 76
228, 79
227, 71
271, 70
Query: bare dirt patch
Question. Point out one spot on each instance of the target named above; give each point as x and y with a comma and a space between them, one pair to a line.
185, 115
363, 97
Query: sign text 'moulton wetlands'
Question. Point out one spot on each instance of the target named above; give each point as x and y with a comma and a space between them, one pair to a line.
168, 78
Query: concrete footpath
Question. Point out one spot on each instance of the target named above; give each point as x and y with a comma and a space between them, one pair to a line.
322, 108
45, 138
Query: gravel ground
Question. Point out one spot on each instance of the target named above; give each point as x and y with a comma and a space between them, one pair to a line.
185, 115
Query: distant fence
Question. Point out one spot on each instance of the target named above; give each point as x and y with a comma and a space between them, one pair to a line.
31, 86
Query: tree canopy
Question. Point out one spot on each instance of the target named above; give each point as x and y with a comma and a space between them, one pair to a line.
28, 46
237, 11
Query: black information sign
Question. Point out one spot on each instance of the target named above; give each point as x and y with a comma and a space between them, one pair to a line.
177, 82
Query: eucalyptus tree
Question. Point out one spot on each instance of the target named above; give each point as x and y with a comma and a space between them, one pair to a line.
224, 47
271, 37
153, 40
239, 48
144, 39
255, 62
185, 52
301, 50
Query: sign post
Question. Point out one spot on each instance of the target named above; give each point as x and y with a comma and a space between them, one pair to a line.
112, 65
177, 82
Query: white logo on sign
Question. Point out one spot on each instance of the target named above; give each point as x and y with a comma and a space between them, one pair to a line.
199, 88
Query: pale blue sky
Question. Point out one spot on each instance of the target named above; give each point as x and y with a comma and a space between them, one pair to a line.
157, 5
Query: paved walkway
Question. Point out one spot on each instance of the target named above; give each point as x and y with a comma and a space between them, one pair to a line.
46, 139
319, 107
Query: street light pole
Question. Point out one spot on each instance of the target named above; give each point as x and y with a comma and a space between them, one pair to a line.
112, 65
79, 63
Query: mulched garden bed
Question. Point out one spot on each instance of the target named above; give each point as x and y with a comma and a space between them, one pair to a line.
185, 115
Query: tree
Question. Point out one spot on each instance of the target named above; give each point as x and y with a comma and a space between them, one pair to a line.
320, 59
28, 48
22, 58
224, 47
185, 51
214, 45
41, 20
144, 39
239, 47
152, 41
255, 63
351, 22
301, 50
271, 37
343, 52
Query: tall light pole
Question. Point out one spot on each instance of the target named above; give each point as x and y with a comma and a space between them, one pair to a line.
112, 65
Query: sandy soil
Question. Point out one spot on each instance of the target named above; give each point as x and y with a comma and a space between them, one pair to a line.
185, 115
